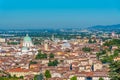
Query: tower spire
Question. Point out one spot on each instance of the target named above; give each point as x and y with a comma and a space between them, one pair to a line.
26, 34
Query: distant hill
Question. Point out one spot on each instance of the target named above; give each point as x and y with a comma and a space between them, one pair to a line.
107, 27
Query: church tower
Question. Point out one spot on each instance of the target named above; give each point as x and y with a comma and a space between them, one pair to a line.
46, 46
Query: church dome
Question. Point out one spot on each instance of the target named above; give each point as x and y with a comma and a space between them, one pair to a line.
66, 45
27, 38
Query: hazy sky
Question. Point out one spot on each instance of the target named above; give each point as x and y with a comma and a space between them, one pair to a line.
58, 13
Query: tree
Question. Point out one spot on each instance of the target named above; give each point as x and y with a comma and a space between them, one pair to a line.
21, 77
94, 41
47, 74
44, 55
35, 77
73, 78
116, 53
33, 62
115, 70
86, 49
39, 77
102, 52
9, 76
15, 76
101, 78
90, 41
41, 55
51, 55
56, 62
53, 63
107, 59
112, 42
13, 43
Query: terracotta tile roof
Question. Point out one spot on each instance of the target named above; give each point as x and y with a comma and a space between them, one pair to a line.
18, 70
56, 78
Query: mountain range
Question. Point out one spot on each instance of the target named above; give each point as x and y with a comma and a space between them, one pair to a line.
105, 27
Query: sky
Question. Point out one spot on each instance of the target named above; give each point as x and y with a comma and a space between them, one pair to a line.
58, 13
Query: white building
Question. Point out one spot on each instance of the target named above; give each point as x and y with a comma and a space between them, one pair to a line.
27, 47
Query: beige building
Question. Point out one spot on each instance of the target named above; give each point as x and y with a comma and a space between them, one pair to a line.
2, 40
98, 66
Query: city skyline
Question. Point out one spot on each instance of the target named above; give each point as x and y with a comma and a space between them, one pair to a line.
59, 40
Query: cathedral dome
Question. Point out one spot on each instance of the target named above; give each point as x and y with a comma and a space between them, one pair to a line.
27, 39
